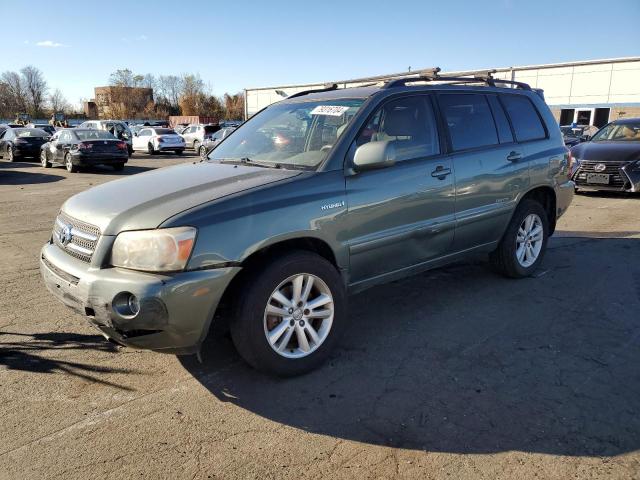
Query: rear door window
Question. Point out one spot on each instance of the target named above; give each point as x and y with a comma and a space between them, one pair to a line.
469, 120
524, 118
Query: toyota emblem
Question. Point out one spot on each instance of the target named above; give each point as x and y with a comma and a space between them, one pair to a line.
600, 167
65, 235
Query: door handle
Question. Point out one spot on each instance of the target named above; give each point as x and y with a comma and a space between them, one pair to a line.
440, 172
514, 156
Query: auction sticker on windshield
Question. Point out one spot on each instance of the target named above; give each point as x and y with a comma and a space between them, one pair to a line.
333, 110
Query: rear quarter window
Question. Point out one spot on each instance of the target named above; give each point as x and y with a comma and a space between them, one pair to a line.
525, 119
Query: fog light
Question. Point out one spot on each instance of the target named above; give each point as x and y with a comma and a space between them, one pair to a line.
126, 304
134, 304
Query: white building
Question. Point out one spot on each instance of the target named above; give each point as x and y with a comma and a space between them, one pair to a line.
591, 92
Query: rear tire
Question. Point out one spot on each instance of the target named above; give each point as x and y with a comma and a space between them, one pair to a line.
71, 168
523, 245
151, 150
179, 152
43, 159
10, 154
308, 338
118, 167
203, 152
196, 146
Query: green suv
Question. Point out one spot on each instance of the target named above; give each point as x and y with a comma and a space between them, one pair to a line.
320, 195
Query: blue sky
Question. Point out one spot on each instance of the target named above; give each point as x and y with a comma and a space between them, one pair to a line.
233, 45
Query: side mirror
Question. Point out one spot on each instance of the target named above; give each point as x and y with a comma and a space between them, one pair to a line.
585, 138
374, 155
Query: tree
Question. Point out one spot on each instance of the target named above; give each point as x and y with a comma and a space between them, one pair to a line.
192, 95
15, 91
57, 102
169, 88
122, 78
211, 106
234, 106
36, 88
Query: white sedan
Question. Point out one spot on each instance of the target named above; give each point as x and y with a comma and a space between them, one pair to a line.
155, 139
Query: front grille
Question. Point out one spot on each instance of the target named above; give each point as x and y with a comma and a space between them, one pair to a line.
617, 178
83, 237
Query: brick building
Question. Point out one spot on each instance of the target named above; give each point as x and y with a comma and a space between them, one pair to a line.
112, 101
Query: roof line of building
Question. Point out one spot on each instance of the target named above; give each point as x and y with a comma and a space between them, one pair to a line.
460, 72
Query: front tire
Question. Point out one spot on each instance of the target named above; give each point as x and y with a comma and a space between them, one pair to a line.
150, 149
524, 244
289, 314
71, 168
10, 155
118, 167
179, 152
43, 159
203, 152
196, 146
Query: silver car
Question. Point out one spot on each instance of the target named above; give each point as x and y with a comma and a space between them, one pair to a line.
211, 142
195, 135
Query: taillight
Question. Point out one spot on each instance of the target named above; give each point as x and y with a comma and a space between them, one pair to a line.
85, 146
122, 145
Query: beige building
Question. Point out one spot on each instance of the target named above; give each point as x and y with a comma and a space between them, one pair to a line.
591, 92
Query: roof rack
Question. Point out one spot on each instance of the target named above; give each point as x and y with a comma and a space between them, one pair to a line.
484, 76
327, 88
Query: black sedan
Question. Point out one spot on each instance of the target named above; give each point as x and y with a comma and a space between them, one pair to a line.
76, 148
18, 143
611, 160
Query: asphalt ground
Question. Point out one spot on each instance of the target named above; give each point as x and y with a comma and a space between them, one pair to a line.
455, 373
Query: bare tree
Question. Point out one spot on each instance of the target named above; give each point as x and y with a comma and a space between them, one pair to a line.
36, 88
169, 89
16, 95
122, 78
58, 102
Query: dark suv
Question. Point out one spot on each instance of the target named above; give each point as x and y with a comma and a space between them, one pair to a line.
317, 196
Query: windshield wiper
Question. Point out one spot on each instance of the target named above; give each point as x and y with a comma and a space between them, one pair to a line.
248, 161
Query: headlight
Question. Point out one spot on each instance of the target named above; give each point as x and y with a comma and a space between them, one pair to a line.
162, 250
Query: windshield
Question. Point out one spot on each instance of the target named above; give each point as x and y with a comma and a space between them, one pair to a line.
30, 132
572, 131
619, 132
298, 135
94, 135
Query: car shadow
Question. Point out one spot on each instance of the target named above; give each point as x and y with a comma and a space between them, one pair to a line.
33, 353
12, 177
462, 360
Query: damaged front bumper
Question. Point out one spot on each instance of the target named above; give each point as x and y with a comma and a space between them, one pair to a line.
174, 311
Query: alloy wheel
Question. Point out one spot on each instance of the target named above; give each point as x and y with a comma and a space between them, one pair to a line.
299, 315
529, 240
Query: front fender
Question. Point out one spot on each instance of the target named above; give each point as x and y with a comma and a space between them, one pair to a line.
231, 229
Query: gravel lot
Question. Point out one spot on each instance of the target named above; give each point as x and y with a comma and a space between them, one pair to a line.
457, 373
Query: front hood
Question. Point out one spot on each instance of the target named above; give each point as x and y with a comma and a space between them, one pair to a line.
607, 151
146, 200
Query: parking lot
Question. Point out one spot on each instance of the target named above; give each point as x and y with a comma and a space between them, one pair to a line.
455, 373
